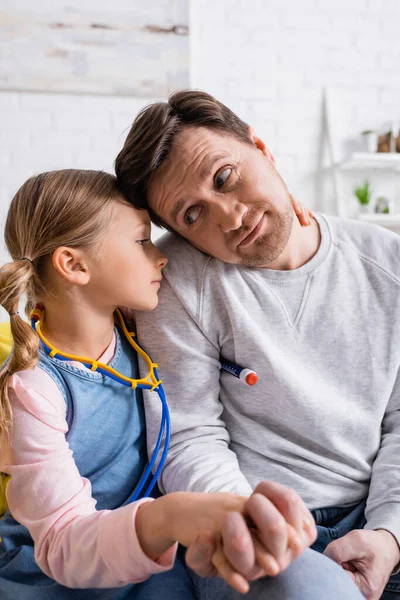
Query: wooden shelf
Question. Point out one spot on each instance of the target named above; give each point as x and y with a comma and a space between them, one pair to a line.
372, 160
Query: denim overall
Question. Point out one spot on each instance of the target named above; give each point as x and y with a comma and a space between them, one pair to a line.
333, 523
106, 432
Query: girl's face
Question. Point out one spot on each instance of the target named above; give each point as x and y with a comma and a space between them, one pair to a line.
126, 271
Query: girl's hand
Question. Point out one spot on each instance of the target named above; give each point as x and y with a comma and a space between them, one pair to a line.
180, 517
190, 513
303, 213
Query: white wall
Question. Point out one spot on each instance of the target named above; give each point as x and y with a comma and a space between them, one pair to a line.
81, 46
41, 132
266, 59
269, 60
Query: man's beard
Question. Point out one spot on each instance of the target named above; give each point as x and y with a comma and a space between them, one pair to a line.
269, 246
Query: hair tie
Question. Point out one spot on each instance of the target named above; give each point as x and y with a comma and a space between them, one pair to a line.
26, 258
14, 313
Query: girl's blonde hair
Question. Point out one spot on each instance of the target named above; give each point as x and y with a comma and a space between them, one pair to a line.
60, 208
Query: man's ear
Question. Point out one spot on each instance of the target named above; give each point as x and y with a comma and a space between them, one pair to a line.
71, 264
260, 144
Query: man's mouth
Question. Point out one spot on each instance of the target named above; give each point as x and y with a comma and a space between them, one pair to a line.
254, 233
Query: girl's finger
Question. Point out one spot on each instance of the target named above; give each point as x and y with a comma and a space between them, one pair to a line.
296, 205
266, 565
302, 216
267, 562
199, 555
305, 214
225, 570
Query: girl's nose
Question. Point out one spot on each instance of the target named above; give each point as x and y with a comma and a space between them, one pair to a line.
161, 261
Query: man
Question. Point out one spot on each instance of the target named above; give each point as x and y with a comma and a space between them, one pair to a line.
314, 311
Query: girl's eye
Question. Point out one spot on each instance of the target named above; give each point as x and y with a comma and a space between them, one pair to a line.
142, 242
192, 215
222, 177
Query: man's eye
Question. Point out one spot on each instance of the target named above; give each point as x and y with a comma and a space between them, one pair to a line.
222, 177
192, 214
142, 242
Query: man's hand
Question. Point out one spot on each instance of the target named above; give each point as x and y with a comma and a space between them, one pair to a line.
272, 531
368, 556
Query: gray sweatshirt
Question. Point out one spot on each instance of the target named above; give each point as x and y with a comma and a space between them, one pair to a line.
324, 339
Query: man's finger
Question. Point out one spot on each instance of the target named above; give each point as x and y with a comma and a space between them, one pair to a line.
270, 524
237, 543
199, 555
362, 561
290, 506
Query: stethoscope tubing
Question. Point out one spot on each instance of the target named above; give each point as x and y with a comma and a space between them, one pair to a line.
165, 425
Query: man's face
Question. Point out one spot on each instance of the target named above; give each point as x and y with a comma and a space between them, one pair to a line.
224, 196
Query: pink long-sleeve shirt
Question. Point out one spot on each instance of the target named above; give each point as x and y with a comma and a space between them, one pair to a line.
75, 544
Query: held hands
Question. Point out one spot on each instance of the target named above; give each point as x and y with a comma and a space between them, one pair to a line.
273, 528
369, 557
238, 538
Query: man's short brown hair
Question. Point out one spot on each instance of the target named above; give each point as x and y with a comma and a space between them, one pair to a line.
152, 135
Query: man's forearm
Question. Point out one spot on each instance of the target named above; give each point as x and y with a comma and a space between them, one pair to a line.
204, 467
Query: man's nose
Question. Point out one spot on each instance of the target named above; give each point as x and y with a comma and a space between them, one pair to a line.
230, 214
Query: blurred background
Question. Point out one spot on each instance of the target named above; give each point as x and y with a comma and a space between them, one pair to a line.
318, 79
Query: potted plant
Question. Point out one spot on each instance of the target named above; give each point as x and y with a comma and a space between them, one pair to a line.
363, 195
384, 206
370, 140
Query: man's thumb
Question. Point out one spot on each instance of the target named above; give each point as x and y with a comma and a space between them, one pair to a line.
341, 551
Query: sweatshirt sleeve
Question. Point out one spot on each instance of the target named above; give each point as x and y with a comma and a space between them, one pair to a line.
75, 544
383, 504
199, 458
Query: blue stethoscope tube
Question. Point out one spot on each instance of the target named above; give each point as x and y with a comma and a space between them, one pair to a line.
165, 425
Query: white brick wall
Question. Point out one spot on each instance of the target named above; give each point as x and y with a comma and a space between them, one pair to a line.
40, 132
266, 59
269, 60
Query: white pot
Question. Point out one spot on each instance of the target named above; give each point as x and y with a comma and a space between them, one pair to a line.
365, 209
371, 141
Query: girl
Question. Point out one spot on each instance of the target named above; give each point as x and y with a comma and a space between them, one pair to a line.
73, 438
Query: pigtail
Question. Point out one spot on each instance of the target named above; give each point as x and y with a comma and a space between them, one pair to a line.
60, 208
15, 278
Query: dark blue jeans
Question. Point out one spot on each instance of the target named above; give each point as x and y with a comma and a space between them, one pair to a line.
333, 523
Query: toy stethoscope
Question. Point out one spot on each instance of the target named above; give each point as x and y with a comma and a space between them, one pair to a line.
150, 382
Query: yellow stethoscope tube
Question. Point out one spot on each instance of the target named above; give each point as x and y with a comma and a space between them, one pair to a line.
150, 382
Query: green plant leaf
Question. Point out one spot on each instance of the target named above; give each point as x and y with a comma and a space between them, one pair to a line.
363, 193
